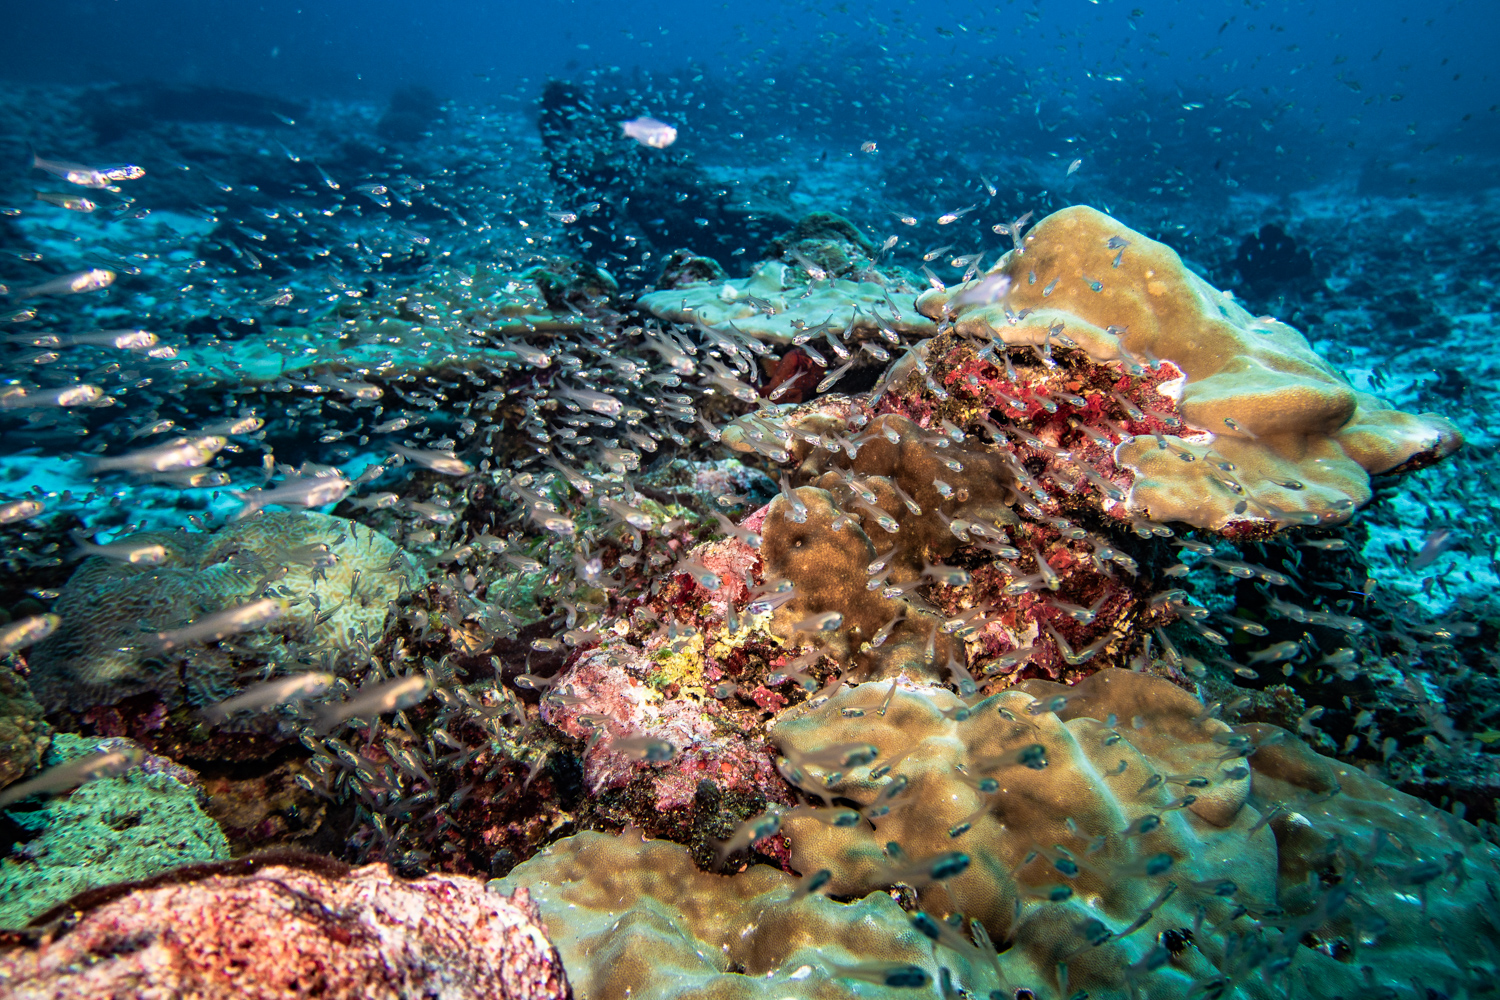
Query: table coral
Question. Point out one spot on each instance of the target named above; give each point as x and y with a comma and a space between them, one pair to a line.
284, 930
821, 272
95, 657
108, 831
1273, 432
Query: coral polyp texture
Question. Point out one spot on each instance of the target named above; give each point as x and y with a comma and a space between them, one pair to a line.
1270, 431
1114, 836
107, 648
290, 931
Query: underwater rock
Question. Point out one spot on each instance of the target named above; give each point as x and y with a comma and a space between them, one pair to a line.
23, 733
100, 653
284, 925
1270, 257
1273, 434
409, 115
108, 831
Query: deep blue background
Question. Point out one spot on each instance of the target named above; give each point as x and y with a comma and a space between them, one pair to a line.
1438, 57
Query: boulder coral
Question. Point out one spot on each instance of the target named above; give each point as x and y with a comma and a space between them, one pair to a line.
1271, 432
99, 653
1114, 837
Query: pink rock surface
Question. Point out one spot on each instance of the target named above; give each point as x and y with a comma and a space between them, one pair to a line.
285, 932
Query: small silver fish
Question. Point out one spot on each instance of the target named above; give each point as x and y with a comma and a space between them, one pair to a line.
26, 631
71, 284
280, 691
375, 699
222, 624
63, 777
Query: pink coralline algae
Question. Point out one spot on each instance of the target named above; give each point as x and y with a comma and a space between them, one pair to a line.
283, 932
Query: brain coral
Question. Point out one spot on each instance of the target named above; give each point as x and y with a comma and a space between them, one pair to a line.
1273, 432
96, 656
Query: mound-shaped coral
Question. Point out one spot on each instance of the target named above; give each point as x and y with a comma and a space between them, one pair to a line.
112, 830
1123, 837
636, 919
23, 734
1273, 432
111, 609
285, 930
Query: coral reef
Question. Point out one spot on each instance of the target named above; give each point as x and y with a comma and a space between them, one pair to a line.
108, 831
1115, 833
818, 279
1272, 433
23, 733
251, 929
638, 919
98, 654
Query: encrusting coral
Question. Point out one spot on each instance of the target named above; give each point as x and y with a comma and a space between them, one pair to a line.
1118, 836
112, 830
1272, 431
100, 652
822, 275
251, 930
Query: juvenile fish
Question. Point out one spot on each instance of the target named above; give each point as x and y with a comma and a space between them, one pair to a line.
302, 491
375, 699
281, 691
71, 284
152, 554
63, 777
438, 461
222, 624
26, 632
649, 132
182, 453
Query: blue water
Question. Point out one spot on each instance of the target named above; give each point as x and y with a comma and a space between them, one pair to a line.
381, 165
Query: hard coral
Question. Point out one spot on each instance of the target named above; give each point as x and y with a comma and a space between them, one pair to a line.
638, 920
285, 931
23, 733
98, 654
109, 831
1273, 432
1088, 813
821, 272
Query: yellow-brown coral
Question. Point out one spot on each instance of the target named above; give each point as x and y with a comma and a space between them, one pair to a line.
1274, 432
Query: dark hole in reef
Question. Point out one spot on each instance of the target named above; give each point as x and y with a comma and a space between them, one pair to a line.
126, 821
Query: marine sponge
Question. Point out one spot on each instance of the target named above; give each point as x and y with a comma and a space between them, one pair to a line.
108, 831
285, 930
97, 656
1274, 433
1120, 805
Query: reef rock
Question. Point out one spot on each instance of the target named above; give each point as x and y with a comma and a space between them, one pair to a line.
249, 930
